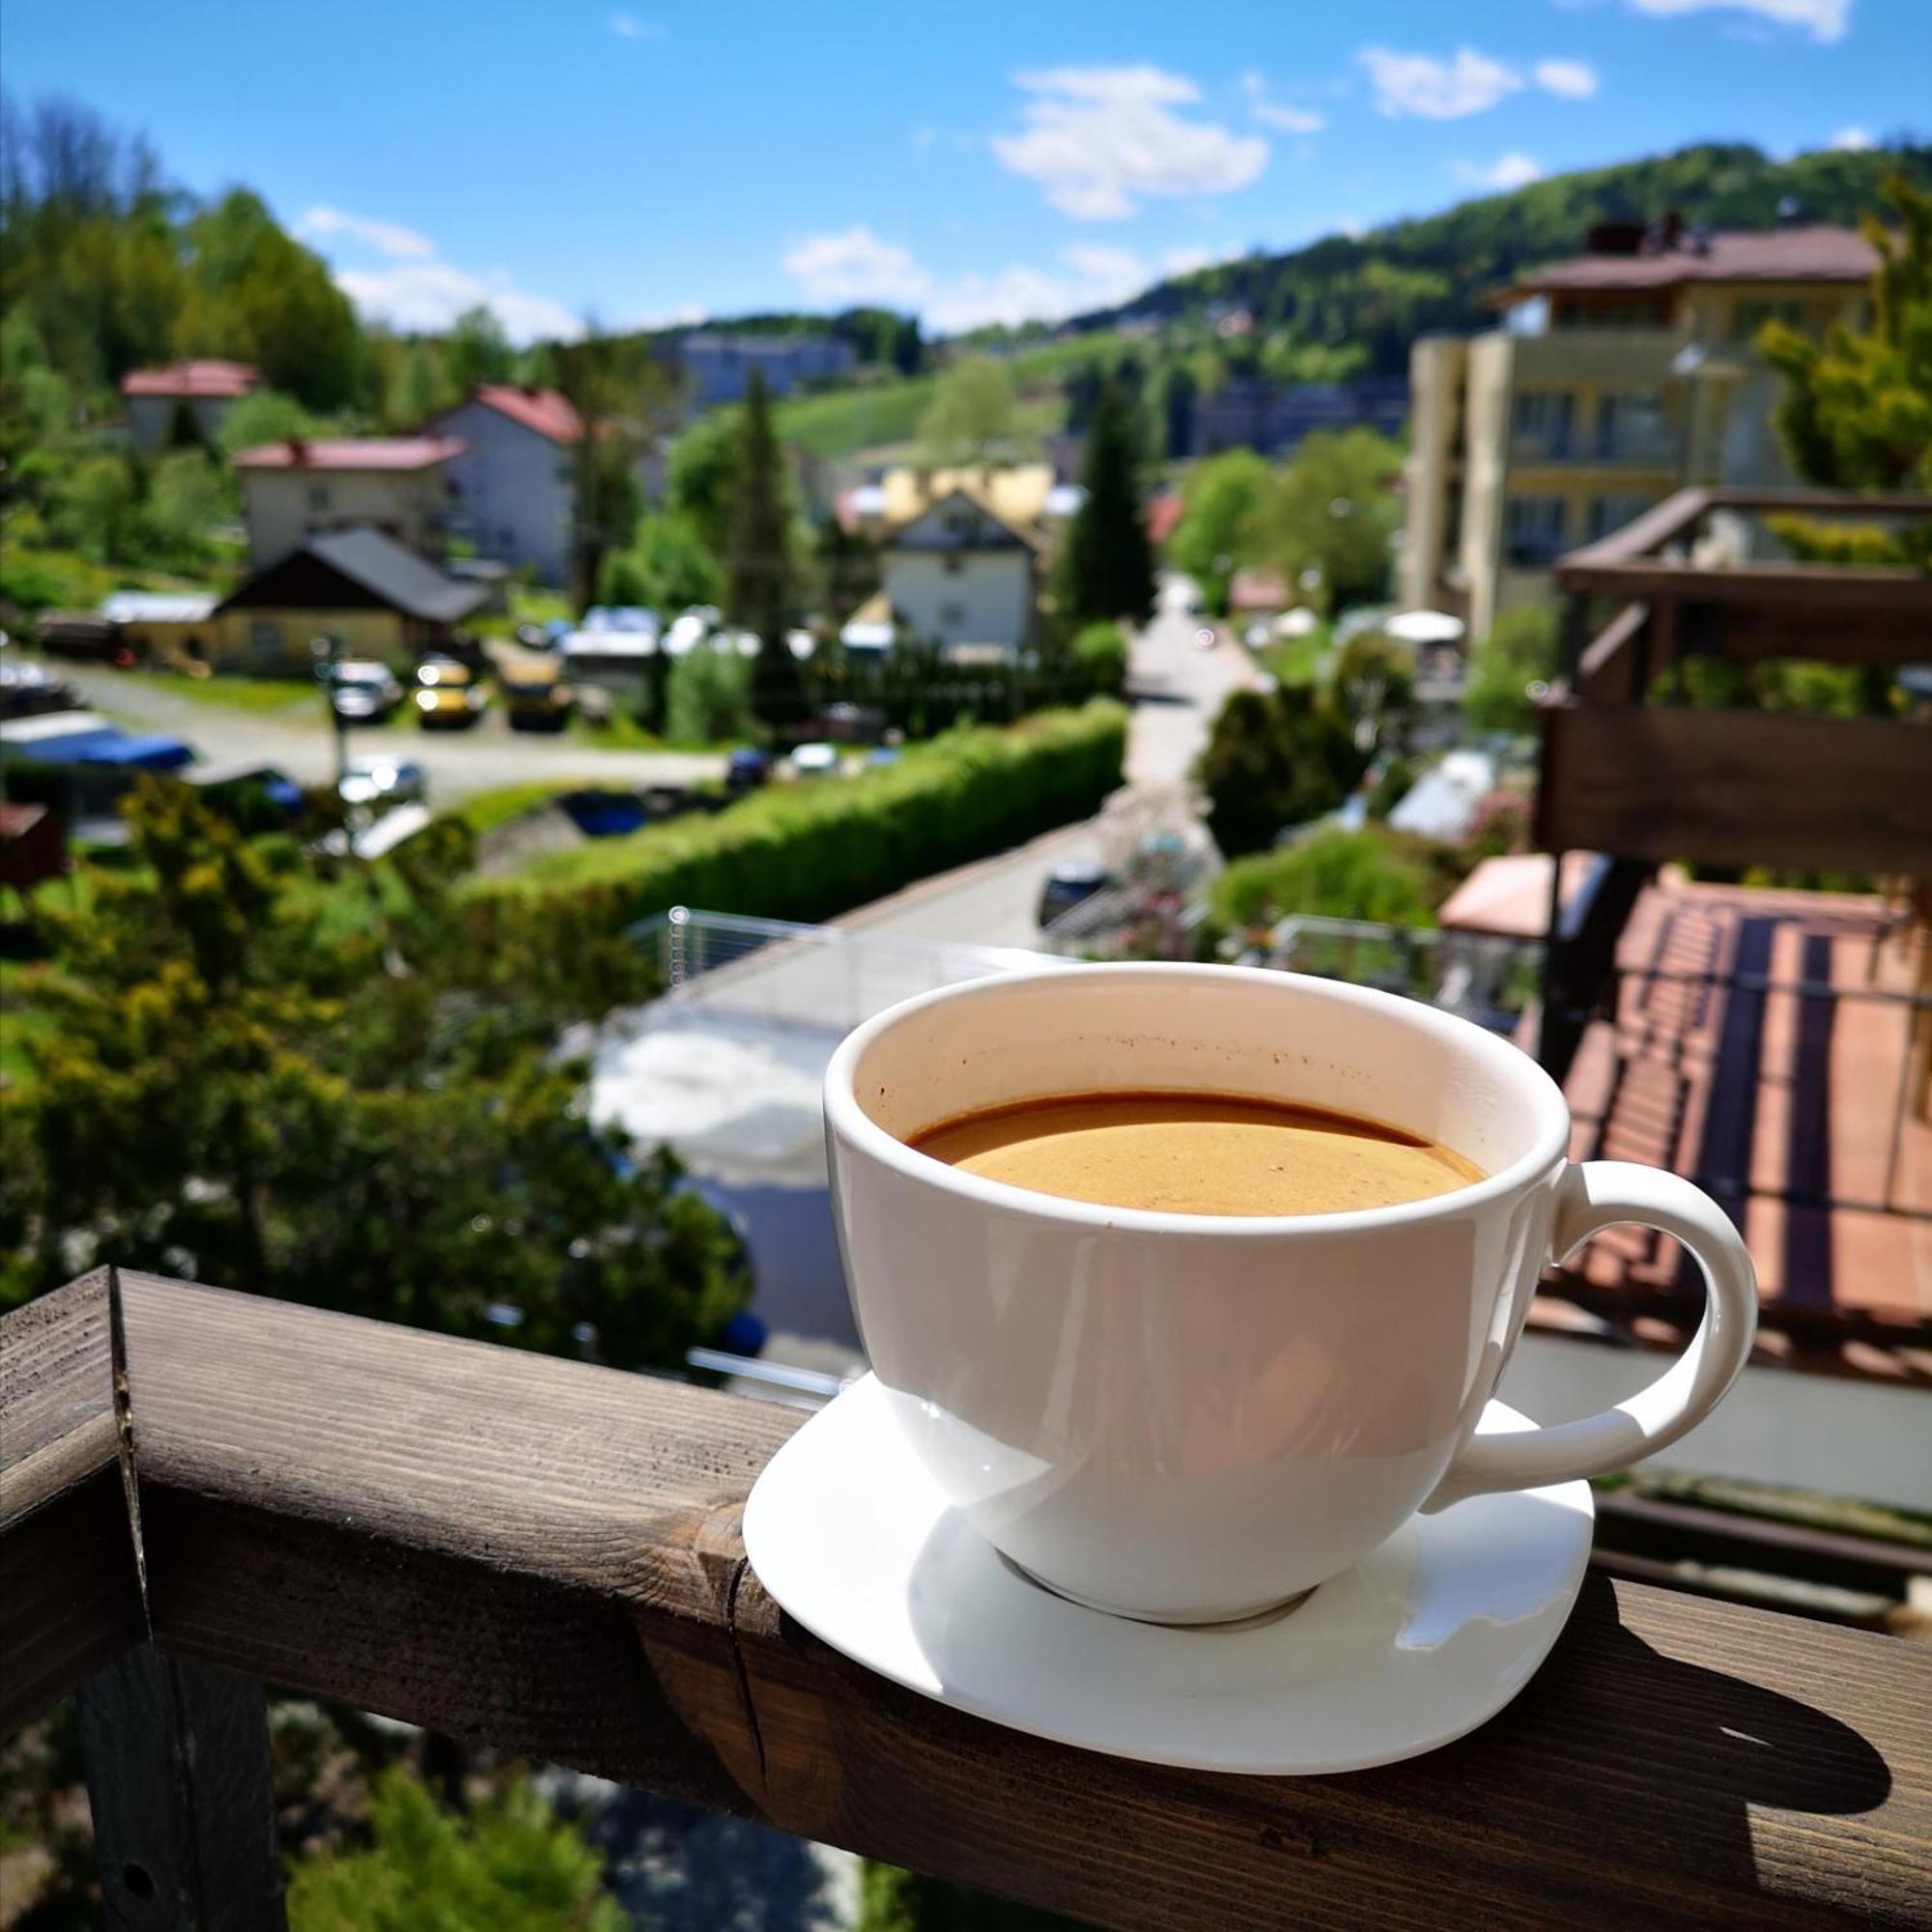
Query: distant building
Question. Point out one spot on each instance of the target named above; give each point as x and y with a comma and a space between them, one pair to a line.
511, 480
396, 484
379, 598
717, 367
164, 402
1616, 379
1247, 413
1022, 494
959, 575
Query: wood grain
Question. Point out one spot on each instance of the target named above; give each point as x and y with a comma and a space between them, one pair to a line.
1736, 787
544, 1557
69, 1593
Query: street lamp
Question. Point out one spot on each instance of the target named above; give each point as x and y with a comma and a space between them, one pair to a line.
327, 651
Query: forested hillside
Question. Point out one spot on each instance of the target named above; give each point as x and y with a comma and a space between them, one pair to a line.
1379, 291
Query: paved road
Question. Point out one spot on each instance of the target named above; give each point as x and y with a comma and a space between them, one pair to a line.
458, 764
1176, 689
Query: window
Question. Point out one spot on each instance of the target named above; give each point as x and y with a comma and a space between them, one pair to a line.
318, 498
1532, 530
265, 637
1542, 420
951, 615
1631, 427
952, 563
1748, 317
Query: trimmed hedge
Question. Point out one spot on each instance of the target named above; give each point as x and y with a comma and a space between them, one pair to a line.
812, 850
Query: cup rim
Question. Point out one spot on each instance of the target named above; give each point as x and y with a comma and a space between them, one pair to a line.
846, 1118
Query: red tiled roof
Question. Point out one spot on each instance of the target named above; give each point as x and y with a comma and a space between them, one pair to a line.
541, 409
1781, 1101
1814, 254
210, 379
1163, 512
364, 452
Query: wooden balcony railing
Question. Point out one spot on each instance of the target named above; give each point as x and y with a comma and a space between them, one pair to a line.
1644, 781
203, 1491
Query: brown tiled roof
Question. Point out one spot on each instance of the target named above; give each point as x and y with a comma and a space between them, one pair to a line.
1812, 254
1782, 1101
543, 411
362, 452
206, 378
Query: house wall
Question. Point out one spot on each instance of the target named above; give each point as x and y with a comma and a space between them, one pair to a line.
963, 597
150, 419
513, 489
275, 642
283, 507
1433, 469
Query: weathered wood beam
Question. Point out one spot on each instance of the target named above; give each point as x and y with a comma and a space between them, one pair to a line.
69, 1591
544, 1557
1735, 787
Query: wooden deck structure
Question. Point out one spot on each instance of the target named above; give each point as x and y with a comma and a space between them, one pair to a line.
203, 1491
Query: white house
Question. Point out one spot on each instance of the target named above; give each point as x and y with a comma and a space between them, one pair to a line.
959, 575
395, 484
161, 402
512, 483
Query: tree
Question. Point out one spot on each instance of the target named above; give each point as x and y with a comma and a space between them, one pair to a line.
760, 584
507, 1862
1275, 761
701, 479
476, 349
1519, 652
972, 417
1219, 504
421, 385
1106, 569
708, 698
262, 416
675, 569
1856, 410
1373, 681
620, 394
320, 1089
1331, 509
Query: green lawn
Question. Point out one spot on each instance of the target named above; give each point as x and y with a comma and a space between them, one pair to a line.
483, 810
237, 694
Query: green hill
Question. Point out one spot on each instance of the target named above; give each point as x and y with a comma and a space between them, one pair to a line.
1383, 289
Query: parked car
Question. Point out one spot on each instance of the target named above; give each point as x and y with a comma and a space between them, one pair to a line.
381, 783
258, 797
30, 690
536, 695
363, 692
448, 697
1070, 883
811, 761
746, 770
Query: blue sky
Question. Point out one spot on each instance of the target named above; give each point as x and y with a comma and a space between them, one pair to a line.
667, 160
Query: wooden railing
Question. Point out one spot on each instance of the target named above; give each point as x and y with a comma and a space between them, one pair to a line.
204, 1491
1644, 781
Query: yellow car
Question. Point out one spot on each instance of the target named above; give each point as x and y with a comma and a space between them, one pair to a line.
535, 694
447, 696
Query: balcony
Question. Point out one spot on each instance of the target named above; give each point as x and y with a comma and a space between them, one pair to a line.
202, 1491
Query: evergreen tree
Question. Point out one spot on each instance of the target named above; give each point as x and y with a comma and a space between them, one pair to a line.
761, 586
1107, 567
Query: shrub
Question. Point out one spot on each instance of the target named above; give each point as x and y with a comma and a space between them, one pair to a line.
1369, 874
708, 698
1276, 759
1101, 658
809, 851
1520, 650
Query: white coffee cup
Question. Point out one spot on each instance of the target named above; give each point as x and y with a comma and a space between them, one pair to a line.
1188, 1418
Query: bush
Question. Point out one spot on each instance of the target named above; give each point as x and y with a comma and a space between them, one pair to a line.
708, 698
1101, 658
1371, 874
810, 851
1520, 650
1276, 759
1392, 785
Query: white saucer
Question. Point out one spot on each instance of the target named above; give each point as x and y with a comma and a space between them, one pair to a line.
1422, 1641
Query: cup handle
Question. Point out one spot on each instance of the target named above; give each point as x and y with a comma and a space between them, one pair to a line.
1599, 1194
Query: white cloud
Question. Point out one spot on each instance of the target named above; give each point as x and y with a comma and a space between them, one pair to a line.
854, 266
1567, 79
1507, 172
1852, 140
1184, 260
1096, 138
1436, 90
429, 296
1826, 19
387, 237
1276, 113
628, 27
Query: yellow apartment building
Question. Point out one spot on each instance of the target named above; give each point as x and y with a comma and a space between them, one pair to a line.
1613, 379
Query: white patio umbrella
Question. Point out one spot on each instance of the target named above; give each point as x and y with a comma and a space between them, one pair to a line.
1424, 627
